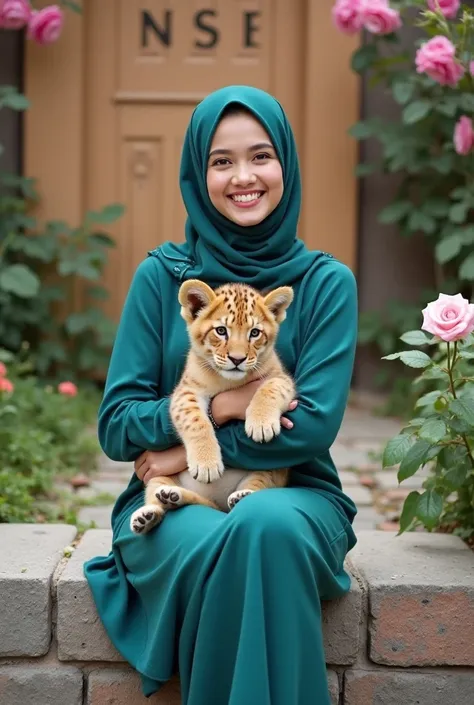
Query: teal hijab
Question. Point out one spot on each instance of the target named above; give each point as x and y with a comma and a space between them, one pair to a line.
218, 250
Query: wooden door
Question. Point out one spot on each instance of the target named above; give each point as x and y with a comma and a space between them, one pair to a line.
126, 77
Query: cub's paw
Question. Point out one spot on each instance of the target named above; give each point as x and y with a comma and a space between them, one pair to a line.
171, 496
236, 496
206, 472
262, 428
206, 465
145, 518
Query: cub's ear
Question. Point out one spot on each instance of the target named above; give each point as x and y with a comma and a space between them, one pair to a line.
194, 295
278, 300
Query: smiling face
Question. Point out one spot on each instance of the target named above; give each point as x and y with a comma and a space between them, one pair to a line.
234, 328
244, 175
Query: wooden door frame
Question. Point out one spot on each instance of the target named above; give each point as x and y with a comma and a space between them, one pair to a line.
55, 137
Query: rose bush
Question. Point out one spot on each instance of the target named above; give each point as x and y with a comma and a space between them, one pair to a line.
441, 433
47, 435
428, 140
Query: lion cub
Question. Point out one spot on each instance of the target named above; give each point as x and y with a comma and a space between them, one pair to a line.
232, 331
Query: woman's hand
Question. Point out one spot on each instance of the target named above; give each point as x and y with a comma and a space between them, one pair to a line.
233, 404
161, 463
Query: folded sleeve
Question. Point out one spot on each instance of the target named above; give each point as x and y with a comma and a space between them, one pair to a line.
133, 416
323, 377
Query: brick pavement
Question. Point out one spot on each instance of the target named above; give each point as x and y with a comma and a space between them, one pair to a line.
356, 452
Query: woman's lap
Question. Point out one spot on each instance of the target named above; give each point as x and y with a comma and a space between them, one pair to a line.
298, 515
223, 596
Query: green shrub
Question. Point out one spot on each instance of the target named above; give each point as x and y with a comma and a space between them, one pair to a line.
45, 438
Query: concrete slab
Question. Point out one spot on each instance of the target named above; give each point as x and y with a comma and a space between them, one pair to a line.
29, 554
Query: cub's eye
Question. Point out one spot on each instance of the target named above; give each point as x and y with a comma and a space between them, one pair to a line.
221, 330
254, 333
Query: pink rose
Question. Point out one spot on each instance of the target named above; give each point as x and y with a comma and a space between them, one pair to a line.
448, 8
45, 25
346, 16
449, 317
14, 14
3, 369
463, 135
6, 385
69, 389
471, 68
378, 17
437, 59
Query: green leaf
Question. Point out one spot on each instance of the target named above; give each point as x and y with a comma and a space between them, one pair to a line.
411, 358
67, 267
101, 240
403, 91
77, 323
363, 58
458, 425
420, 221
459, 193
455, 477
466, 270
361, 130
20, 280
453, 455
413, 459
415, 337
396, 449
458, 212
438, 207
467, 102
463, 409
109, 214
15, 101
416, 111
97, 292
429, 398
430, 506
448, 248
447, 108
433, 430
443, 164
467, 235
395, 211
409, 511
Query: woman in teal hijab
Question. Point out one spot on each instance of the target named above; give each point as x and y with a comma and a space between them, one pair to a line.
232, 601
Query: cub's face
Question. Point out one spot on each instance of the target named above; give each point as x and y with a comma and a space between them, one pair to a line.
234, 328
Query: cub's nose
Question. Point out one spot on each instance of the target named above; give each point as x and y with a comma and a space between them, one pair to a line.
237, 360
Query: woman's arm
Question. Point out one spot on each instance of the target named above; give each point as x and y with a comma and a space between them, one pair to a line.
323, 376
132, 416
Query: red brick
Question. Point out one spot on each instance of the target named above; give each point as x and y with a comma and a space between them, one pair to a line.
421, 598
387, 687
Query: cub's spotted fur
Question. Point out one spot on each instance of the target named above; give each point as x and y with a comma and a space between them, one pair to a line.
232, 332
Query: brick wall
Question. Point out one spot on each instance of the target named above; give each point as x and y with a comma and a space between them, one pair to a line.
403, 634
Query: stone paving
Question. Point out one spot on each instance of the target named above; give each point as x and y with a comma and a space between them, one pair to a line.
356, 453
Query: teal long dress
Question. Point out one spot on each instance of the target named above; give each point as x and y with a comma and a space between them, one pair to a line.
232, 601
